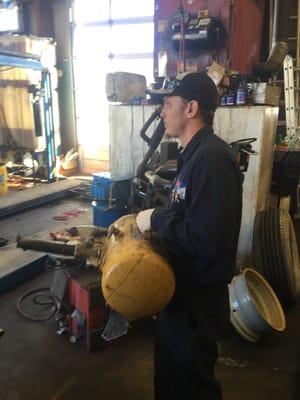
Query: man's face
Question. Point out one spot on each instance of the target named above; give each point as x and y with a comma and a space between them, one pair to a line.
174, 115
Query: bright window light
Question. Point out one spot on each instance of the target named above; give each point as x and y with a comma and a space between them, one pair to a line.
131, 8
99, 50
133, 38
91, 44
91, 10
9, 19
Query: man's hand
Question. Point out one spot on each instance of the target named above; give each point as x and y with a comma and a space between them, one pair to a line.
143, 220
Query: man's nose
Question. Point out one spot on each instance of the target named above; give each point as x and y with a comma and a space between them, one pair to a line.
162, 114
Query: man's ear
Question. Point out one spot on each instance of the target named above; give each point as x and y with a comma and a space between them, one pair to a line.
193, 108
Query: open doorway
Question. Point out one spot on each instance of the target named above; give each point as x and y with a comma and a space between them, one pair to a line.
108, 36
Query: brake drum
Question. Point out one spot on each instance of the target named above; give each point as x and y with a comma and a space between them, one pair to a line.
136, 280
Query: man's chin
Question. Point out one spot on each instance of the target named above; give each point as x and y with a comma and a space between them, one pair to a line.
171, 135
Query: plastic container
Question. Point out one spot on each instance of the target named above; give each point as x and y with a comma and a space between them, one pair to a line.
104, 216
100, 189
223, 99
3, 178
241, 96
105, 191
230, 100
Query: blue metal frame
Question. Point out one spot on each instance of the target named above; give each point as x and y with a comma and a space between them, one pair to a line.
31, 63
9, 281
20, 62
49, 125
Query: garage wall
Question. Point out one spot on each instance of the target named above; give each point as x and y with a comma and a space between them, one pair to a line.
243, 20
62, 29
246, 34
38, 17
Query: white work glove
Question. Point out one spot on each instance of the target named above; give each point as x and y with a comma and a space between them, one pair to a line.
143, 220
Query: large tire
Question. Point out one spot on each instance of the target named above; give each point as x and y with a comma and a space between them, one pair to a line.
275, 252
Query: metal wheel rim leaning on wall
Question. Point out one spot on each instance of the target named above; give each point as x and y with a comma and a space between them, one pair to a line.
255, 308
275, 252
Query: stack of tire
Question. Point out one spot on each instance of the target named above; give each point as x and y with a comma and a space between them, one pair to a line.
275, 253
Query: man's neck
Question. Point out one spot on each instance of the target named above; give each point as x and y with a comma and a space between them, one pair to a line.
189, 133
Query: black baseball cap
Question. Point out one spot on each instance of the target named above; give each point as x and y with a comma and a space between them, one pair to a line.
191, 86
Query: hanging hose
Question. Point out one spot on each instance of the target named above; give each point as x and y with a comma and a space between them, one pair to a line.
182, 61
155, 140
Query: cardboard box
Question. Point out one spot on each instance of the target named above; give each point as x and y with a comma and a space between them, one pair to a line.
124, 86
264, 93
23, 44
216, 72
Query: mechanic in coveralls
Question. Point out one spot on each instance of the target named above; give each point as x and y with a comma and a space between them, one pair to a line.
200, 227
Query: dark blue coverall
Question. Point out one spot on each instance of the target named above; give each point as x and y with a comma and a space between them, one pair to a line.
200, 228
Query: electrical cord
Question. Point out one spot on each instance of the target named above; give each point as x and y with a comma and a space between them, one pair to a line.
43, 303
50, 303
40, 298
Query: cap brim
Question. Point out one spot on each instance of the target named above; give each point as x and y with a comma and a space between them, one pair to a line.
161, 92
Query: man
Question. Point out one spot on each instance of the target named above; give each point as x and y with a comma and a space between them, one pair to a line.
200, 228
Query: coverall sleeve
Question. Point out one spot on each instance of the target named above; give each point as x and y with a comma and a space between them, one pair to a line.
208, 225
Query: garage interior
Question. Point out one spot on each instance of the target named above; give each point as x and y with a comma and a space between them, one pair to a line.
82, 144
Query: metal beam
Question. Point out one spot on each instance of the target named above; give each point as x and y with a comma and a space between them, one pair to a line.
118, 21
130, 56
22, 273
33, 203
20, 62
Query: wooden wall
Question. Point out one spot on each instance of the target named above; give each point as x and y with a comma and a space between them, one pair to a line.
243, 20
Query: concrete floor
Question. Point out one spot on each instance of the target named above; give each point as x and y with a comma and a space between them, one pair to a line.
37, 364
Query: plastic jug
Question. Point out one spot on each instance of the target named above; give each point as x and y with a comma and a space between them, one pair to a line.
3, 178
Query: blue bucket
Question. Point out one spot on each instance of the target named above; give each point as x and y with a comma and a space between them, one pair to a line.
100, 189
104, 216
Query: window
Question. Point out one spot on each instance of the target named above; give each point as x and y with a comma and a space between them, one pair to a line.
132, 38
91, 10
10, 17
131, 8
109, 36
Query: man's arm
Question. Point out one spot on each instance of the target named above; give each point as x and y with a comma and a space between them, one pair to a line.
209, 225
